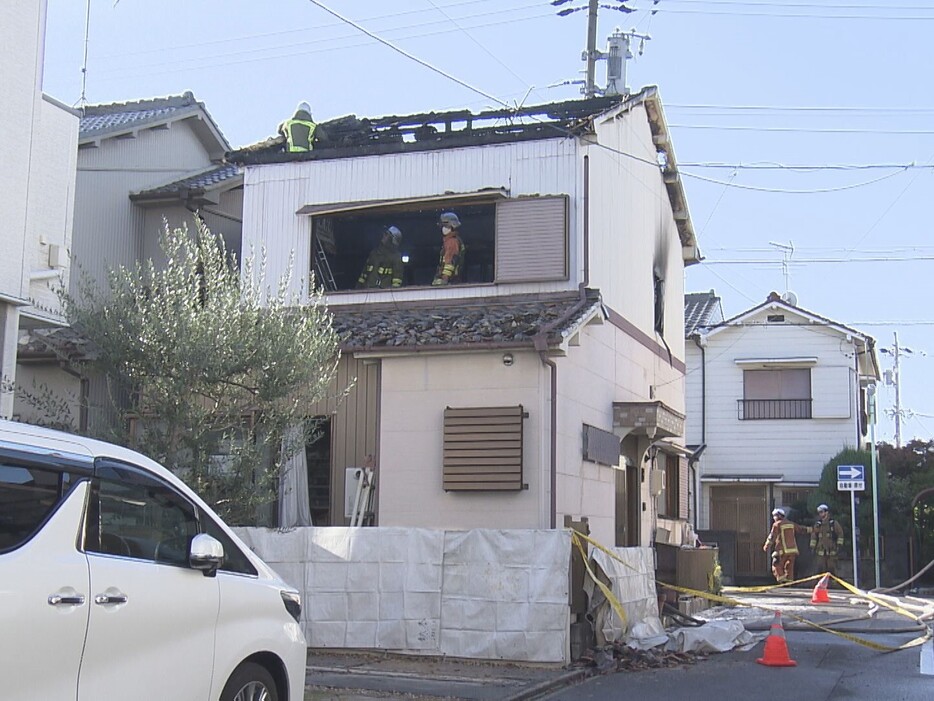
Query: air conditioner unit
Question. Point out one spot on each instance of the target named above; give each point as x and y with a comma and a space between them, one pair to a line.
58, 257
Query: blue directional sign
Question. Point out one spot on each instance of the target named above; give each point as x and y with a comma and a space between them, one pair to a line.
851, 478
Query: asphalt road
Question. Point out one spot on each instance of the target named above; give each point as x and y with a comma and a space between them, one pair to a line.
829, 669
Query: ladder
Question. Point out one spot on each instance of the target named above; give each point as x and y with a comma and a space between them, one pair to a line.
323, 273
361, 513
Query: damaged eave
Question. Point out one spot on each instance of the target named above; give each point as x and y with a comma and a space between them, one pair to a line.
690, 252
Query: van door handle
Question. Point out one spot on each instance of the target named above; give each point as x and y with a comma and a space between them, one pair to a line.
59, 600
104, 599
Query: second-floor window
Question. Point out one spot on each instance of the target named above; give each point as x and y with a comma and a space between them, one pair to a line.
783, 393
504, 240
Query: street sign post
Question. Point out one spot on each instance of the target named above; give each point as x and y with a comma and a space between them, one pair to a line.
852, 479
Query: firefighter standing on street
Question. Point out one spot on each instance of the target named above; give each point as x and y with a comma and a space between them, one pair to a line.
782, 538
299, 131
384, 264
826, 541
452, 250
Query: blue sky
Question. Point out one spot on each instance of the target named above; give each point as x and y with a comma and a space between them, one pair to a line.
842, 88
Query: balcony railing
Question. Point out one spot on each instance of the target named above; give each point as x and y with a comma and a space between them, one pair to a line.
749, 409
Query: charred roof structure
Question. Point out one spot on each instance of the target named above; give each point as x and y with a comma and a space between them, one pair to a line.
349, 136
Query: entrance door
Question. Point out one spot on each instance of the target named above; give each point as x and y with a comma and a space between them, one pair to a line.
744, 511
628, 497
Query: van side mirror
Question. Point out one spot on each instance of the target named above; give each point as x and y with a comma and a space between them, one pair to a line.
206, 554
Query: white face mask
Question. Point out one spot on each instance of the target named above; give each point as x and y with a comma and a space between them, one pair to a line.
445, 230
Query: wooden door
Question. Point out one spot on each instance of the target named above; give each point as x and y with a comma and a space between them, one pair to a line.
744, 511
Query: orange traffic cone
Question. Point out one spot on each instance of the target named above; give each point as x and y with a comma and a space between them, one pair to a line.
776, 650
820, 591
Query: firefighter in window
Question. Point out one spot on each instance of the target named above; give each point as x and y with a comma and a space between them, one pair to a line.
384, 264
452, 250
782, 539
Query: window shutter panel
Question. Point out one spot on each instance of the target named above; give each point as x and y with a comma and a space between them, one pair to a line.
483, 448
531, 239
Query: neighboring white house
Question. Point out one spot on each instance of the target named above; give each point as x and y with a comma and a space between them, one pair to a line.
773, 394
549, 384
138, 163
38, 145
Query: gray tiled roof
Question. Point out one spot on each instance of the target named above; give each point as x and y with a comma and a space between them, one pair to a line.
460, 323
504, 322
204, 180
701, 310
99, 119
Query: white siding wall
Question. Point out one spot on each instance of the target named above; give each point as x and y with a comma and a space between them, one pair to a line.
693, 391
632, 228
109, 229
275, 192
608, 366
22, 31
51, 199
796, 449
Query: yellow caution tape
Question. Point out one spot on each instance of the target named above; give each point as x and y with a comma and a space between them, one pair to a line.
578, 538
607, 592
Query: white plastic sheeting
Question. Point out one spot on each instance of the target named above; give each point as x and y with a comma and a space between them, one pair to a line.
294, 509
631, 578
483, 594
713, 636
505, 595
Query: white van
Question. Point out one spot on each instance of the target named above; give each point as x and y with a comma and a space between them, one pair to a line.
118, 582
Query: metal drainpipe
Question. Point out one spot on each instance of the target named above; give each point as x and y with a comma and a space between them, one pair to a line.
697, 481
553, 459
541, 346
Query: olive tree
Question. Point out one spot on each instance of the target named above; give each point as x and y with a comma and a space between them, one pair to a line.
218, 369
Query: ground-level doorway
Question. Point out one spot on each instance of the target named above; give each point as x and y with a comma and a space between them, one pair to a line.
743, 510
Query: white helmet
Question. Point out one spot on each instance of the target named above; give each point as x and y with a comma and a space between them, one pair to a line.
303, 106
822, 507
778, 512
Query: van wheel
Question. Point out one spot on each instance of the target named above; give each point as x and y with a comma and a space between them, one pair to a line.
250, 682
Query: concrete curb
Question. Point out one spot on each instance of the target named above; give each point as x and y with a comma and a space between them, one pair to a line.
575, 676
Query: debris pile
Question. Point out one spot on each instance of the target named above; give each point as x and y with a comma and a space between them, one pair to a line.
619, 657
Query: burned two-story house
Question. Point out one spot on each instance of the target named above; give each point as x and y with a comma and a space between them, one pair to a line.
546, 380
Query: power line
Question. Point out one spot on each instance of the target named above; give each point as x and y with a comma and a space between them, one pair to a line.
803, 108
482, 47
405, 53
282, 51
816, 191
810, 167
801, 261
804, 130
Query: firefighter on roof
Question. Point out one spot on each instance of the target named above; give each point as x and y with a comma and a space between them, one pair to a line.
299, 131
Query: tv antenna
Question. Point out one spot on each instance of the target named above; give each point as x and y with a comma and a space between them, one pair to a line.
788, 250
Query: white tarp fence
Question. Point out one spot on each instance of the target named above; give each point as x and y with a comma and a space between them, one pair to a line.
482, 593
631, 578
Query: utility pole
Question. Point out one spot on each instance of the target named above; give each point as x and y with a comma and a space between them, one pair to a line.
893, 377
898, 398
590, 87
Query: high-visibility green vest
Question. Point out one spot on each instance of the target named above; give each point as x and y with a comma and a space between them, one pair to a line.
300, 134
